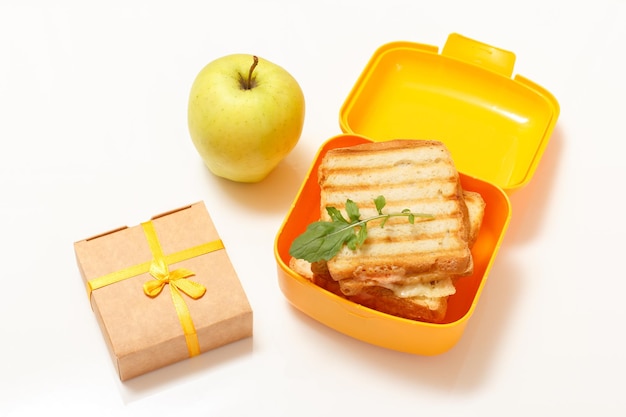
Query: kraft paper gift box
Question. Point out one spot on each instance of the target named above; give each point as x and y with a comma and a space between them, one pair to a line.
163, 291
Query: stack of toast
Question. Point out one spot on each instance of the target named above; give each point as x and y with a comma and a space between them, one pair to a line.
404, 269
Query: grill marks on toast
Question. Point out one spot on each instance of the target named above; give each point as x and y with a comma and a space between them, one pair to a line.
419, 175
396, 174
397, 195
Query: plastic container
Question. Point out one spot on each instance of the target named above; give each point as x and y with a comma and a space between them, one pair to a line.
496, 128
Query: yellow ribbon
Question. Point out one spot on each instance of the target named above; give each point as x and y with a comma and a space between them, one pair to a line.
176, 279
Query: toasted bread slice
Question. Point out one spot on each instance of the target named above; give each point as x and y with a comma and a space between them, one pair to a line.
476, 212
416, 174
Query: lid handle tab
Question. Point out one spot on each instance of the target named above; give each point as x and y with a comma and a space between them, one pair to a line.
480, 54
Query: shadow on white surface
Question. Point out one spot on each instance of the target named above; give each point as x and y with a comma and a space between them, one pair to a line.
276, 192
161, 379
530, 202
463, 368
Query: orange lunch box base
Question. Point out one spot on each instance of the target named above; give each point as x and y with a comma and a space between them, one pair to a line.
372, 326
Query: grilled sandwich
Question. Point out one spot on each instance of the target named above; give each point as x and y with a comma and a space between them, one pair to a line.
403, 269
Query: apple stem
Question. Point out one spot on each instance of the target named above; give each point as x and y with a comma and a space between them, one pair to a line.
255, 62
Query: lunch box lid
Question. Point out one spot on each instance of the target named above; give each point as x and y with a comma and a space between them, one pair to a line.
496, 125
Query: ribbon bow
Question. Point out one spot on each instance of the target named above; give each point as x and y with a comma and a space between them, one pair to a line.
176, 279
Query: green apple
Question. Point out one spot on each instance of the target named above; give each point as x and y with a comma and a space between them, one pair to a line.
245, 114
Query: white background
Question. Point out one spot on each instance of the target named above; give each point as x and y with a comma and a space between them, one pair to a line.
93, 136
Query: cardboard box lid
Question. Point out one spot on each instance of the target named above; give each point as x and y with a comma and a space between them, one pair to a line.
495, 126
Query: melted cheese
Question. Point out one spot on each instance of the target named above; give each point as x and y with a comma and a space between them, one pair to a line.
434, 289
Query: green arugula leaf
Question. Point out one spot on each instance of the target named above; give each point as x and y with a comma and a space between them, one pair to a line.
336, 215
380, 202
322, 240
353, 211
